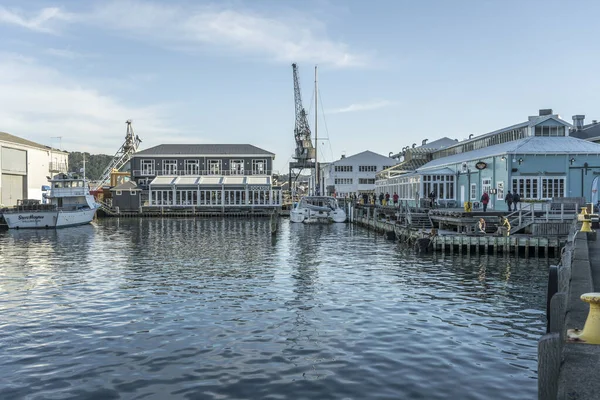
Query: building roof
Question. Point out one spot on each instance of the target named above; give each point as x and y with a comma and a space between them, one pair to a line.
7, 137
528, 145
588, 132
129, 185
348, 159
439, 144
204, 150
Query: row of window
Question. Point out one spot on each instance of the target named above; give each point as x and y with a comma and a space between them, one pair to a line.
213, 197
361, 168
192, 167
508, 136
529, 188
349, 181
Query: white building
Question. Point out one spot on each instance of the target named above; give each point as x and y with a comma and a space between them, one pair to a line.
25, 166
354, 174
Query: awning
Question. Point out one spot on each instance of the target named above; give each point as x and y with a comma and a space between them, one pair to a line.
163, 181
188, 180
234, 180
439, 171
210, 180
258, 180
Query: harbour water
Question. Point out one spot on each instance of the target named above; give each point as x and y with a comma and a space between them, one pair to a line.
220, 309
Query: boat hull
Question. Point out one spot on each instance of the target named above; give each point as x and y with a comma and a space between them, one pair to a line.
48, 219
310, 216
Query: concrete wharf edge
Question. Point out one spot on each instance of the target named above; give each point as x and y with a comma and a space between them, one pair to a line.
568, 370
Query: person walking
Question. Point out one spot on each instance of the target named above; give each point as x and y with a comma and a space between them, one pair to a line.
485, 199
509, 200
387, 199
432, 199
516, 200
395, 198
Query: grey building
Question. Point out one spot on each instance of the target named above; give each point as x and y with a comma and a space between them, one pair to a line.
126, 196
205, 175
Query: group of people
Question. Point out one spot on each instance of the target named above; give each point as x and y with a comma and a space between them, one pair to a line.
509, 199
382, 199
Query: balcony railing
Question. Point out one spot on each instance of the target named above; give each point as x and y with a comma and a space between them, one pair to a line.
138, 173
57, 166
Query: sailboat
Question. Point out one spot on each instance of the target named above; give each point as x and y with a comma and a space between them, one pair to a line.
316, 208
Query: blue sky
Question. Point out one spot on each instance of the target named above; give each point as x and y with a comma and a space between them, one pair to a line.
391, 73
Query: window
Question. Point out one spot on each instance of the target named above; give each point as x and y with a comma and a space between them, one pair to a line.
387, 166
343, 181
147, 167
553, 187
343, 168
473, 191
367, 168
486, 185
528, 188
441, 185
366, 181
119, 193
237, 167
500, 190
549, 131
259, 167
192, 167
133, 192
170, 167
214, 167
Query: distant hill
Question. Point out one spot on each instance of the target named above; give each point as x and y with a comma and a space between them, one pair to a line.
95, 164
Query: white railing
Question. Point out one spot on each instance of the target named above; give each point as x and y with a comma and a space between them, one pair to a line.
169, 172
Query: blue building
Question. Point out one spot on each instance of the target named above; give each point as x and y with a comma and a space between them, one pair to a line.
537, 159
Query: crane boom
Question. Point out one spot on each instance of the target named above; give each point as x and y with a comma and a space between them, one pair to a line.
123, 155
304, 146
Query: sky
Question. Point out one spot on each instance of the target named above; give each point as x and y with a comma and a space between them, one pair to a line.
391, 72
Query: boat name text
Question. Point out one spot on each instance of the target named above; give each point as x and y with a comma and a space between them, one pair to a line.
30, 217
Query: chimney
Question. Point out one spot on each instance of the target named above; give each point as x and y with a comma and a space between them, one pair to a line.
545, 111
424, 142
578, 122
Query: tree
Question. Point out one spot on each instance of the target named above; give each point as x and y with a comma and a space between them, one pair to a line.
95, 164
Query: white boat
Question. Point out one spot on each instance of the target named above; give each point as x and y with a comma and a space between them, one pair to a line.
317, 209
69, 203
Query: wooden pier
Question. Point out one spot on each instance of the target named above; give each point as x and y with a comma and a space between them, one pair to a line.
542, 234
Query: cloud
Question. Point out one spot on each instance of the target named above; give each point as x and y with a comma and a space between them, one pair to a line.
38, 103
291, 36
67, 54
45, 21
374, 105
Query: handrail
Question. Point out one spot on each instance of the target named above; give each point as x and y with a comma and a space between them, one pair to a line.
160, 172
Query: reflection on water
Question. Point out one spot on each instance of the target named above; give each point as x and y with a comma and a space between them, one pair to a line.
183, 308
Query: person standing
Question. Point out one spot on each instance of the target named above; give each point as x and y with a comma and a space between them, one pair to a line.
485, 199
516, 200
387, 199
432, 199
509, 200
381, 197
395, 198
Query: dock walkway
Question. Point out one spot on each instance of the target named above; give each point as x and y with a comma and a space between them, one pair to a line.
569, 370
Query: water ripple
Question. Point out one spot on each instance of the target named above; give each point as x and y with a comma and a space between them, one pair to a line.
220, 309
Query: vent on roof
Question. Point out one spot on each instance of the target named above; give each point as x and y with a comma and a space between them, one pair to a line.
545, 111
424, 142
594, 121
578, 121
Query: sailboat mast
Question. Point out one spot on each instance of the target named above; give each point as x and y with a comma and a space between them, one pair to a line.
317, 182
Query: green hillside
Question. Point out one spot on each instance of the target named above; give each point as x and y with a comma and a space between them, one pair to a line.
95, 164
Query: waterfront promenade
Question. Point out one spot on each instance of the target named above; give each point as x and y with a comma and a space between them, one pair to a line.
569, 370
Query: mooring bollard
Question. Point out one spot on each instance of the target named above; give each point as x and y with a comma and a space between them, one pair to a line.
591, 329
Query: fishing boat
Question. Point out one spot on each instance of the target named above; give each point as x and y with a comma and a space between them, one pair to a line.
68, 203
317, 209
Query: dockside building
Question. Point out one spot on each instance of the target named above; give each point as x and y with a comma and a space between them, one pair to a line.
538, 159
203, 176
